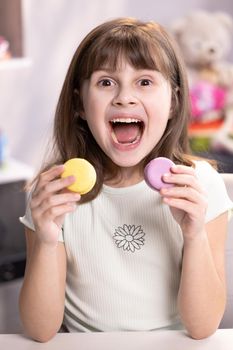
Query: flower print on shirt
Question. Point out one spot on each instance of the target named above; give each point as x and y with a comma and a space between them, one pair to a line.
129, 237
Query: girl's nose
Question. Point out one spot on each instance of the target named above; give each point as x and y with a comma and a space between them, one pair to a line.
124, 98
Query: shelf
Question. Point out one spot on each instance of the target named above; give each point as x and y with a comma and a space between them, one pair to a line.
15, 63
15, 171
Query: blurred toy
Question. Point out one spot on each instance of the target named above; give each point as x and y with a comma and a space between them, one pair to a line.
205, 40
207, 97
3, 149
4, 49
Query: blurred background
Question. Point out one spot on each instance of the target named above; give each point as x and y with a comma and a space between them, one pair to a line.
37, 41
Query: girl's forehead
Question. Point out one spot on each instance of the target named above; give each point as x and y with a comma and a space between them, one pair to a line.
139, 57
122, 63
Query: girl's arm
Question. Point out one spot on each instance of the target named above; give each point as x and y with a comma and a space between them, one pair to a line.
202, 292
41, 301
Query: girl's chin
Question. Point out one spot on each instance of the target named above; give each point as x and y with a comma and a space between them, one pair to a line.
127, 157
127, 162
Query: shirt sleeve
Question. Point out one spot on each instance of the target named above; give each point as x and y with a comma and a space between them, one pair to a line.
27, 220
213, 183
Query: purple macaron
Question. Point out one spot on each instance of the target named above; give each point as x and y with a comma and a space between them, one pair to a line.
154, 171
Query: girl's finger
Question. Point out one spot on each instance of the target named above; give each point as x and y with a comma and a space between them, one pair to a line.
42, 204
48, 176
183, 180
53, 187
184, 192
183, 169
193, 210
53, 213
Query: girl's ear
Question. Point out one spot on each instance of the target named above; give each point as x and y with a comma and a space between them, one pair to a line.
82, 114
171, 114
78, 104
174, 103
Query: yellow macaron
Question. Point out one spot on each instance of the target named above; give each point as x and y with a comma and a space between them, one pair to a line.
84, 173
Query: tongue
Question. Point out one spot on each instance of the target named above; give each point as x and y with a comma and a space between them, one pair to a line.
126, 133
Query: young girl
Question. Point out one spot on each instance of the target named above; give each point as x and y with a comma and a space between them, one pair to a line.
125, 257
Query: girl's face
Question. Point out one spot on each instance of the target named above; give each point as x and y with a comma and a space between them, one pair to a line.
127, 111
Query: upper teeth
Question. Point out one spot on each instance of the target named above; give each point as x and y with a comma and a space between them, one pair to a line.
125, 120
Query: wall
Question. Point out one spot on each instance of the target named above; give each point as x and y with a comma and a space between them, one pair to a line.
52, 30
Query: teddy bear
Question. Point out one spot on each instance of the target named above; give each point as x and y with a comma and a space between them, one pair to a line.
205, 39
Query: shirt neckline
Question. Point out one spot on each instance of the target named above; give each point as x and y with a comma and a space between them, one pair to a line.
129, 189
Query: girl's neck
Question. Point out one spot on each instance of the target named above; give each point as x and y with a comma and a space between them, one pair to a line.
126, 177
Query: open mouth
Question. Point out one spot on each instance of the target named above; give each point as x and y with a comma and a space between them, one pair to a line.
126, 131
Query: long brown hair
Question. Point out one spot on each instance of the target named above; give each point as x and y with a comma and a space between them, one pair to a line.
146, 45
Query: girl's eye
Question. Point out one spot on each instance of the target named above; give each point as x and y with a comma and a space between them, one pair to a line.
105, 82
145, 82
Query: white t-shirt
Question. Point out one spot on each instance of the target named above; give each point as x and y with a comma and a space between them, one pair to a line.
124, 254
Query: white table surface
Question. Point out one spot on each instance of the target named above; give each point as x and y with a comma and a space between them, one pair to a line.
158, 340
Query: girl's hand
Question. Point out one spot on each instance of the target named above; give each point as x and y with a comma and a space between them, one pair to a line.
187, 200
50, 202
